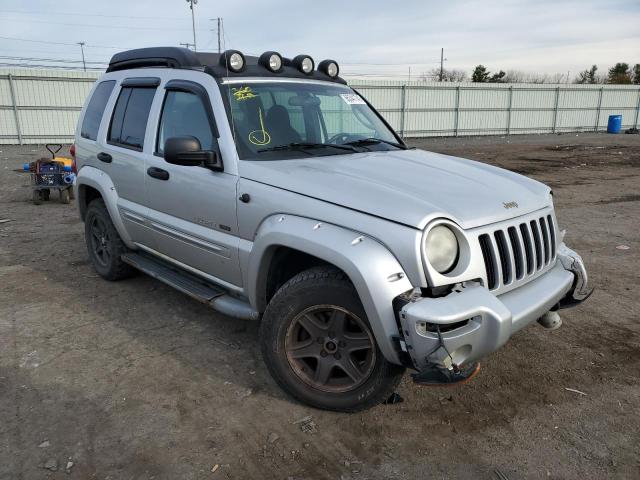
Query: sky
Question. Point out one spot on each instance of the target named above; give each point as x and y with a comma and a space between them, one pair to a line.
367, 38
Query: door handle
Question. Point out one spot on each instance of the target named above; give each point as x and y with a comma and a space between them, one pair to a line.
104, 157
158, 173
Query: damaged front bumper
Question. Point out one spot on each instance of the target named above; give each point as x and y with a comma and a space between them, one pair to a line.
471, 322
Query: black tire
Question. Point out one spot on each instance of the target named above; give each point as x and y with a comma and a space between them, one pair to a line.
45, 194
316, 290
65, 197
104, 245
37, 197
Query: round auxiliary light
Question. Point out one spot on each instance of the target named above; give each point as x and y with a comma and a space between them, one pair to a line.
233, 60
329, 67
271, 61
304, 63
441, 248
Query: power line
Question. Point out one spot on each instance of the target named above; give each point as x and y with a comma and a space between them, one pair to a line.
63, 43
66, 14
55, 67
91, 25
53, 60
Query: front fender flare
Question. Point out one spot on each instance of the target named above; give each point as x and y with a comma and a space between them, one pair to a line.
96, 178
375, 273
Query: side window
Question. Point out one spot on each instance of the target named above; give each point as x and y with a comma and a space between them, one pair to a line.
183, 113
129, 121
95, 109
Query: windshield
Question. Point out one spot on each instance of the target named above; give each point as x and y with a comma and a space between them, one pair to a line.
275, 120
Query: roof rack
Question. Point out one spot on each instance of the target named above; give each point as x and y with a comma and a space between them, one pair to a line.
183, 58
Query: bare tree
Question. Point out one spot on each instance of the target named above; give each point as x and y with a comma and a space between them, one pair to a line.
448, 75
588, 76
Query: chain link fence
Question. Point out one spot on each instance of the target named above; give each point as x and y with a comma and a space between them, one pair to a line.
39, 106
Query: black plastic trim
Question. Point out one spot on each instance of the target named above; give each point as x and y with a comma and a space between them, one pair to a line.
141, 82
201, 92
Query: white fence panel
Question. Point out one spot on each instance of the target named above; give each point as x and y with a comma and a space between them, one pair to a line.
38, 106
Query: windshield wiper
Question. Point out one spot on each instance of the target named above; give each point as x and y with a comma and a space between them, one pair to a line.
304, 145
373, 141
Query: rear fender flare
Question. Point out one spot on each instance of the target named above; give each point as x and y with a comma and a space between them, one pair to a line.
95, 178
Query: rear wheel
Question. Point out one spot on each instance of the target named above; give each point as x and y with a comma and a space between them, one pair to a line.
65, 197
104, 245
37, 197
319, 347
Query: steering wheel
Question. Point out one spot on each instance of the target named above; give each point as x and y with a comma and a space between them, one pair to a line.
342, 138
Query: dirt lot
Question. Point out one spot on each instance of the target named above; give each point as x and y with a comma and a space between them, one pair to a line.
133, 380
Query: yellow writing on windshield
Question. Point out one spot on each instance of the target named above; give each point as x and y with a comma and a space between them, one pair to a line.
243, 93
261, 136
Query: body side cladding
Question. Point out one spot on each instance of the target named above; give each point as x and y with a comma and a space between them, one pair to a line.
375, 273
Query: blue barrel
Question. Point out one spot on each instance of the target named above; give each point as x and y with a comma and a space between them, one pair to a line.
615, 124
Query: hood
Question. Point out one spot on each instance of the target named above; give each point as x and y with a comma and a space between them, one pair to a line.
411, 187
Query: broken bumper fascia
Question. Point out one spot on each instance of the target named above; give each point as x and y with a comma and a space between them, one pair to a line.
471, 322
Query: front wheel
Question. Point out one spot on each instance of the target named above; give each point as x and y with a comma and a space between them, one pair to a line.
319, 347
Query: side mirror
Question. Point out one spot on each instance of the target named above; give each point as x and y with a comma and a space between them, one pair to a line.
187, 151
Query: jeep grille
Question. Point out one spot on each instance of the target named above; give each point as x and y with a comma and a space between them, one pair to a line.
515, 253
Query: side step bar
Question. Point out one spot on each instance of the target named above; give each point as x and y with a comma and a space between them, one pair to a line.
203, 291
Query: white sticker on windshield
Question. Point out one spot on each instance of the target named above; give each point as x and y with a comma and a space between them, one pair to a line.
352, 99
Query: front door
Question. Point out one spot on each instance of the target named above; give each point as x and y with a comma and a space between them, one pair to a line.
192, 210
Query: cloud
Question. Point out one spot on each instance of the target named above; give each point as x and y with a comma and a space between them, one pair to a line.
537, 36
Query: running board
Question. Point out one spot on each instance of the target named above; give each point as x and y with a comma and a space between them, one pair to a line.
204, 292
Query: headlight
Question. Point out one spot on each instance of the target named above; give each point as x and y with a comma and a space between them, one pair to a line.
271, 61
329, 67
441, 247
304, 63
233, 60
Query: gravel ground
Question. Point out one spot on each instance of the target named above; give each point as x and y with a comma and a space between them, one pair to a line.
133, 380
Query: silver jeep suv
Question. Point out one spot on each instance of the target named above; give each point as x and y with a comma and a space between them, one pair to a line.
268, 189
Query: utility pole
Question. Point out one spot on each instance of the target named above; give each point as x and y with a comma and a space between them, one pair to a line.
219, 25
219, 30
441, 63
187, 45
84, 64
193, 22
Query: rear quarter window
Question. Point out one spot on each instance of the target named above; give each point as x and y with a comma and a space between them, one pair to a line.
130, 116
95, 110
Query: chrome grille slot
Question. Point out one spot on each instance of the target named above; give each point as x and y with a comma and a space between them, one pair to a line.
537, 242
518, 250
528, 247
545, 238
489, 261
552, 232
503, 253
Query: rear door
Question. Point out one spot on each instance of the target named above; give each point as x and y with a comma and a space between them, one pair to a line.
192, 210
123, 153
